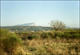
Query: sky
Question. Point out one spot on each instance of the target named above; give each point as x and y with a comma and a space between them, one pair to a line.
39, 12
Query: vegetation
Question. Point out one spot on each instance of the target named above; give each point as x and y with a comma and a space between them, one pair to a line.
57, 25
9, 42
27, 28
53, 42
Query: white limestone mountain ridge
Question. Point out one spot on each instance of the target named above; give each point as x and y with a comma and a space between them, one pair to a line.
27, 24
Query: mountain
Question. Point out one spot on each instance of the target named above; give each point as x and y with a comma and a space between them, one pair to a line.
27, 24
27, 28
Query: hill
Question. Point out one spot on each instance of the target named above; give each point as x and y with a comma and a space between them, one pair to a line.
27, 28
26, 24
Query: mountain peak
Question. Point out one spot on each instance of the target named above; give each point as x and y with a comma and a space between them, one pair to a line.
27, 24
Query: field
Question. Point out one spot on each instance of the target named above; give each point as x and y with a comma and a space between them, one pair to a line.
40, 27
60, 42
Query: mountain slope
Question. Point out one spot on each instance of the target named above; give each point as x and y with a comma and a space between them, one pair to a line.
27, 28
27, 24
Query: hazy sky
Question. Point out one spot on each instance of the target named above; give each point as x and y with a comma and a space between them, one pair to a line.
39, 12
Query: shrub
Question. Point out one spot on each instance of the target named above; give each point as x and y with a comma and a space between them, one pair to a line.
32, 49
11, 43
44, 35
76, 35
2, 52
4, 33
67, 35
59, 34
51, 34
33, 36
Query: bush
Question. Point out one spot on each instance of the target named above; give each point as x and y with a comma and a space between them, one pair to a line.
51, 34
8, 41
67, 35
2, 52
11, 43
59, 34
32, 49
44, 35
30, 37
4, 33
76, 35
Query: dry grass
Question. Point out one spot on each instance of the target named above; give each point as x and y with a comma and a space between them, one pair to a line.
52, 46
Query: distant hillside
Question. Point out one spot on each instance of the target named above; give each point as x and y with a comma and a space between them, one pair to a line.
26, 24
27, 28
